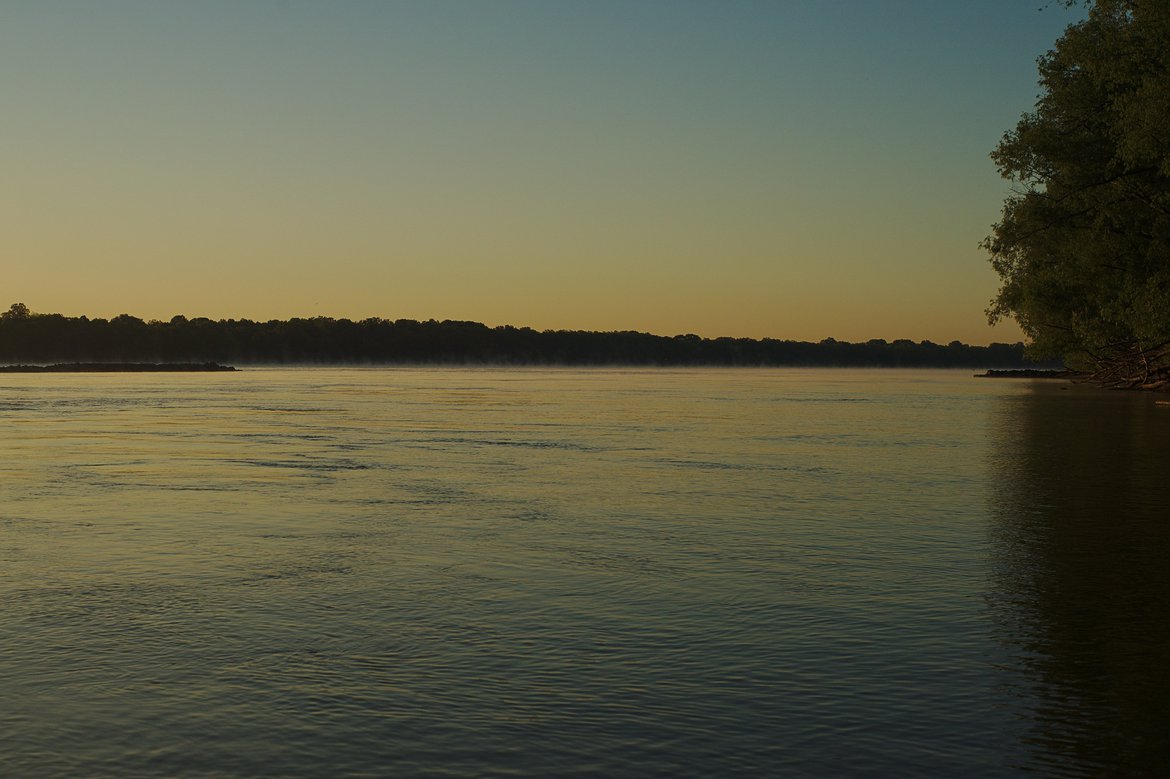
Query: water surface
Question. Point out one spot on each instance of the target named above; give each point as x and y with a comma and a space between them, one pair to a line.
477, 572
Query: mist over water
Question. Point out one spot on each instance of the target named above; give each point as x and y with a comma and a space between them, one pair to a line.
477, 572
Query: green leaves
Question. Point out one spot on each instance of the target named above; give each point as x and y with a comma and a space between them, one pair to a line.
1083, 245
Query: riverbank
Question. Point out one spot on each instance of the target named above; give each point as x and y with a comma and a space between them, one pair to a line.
1155, 381
119, 367
1028, 373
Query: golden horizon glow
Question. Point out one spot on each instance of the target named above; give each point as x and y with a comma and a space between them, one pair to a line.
747, 170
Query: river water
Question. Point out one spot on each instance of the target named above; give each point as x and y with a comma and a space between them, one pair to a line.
527, 573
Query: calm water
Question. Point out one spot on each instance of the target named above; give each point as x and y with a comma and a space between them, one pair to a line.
295, 573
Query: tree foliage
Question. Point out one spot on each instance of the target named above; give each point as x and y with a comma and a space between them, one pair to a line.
1083, 246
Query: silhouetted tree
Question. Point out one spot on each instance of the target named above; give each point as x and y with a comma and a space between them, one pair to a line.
17, 311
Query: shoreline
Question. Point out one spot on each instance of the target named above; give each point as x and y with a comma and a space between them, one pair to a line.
1029, 373
120, 367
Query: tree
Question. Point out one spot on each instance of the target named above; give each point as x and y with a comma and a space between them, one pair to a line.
17, 311
1083, 245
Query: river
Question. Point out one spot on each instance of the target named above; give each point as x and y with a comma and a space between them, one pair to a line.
454, 572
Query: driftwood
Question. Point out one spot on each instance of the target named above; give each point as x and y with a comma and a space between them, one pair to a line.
1131, 365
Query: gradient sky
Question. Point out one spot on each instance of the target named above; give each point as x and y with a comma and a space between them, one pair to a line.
786, 169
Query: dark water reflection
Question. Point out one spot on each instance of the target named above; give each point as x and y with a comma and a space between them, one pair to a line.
1082, 538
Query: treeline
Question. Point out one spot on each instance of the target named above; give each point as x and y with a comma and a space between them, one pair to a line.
26, 337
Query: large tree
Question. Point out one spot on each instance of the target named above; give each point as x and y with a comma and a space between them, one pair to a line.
1083, 247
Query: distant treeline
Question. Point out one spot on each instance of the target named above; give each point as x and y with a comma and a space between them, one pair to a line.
26, 337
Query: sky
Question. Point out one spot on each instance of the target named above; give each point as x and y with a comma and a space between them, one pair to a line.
787, 169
